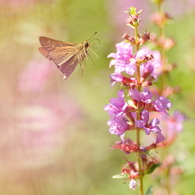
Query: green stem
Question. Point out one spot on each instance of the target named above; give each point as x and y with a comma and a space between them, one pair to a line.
138, 118
139, 160
137, 65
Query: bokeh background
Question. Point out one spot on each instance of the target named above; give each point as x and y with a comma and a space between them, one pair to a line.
54, 139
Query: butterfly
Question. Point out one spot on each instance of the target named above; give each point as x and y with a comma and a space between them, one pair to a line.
65, 55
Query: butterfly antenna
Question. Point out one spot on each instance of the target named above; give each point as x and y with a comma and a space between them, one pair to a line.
94, 44
92, 36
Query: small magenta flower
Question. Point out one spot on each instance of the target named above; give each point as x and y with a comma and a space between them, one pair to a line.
116, 77
162, 104
160, 138
150, 126
117, 106
118, 125
154, 66
122, 58
116, 109
146, 125
151, 66
145, 96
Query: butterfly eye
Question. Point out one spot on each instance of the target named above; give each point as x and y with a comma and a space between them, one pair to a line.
86, 44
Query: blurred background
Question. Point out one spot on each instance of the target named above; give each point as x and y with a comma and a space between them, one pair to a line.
53, 133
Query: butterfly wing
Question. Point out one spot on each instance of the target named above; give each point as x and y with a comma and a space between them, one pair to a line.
50, 44
68, 67
65, 58
65, 55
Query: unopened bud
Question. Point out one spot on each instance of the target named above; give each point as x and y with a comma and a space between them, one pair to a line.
144, 38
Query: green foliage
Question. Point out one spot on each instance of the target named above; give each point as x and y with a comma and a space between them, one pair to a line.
149, 191
152, 168
120, 176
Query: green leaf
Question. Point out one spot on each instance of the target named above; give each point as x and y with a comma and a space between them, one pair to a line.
149, 191
152, 168
139, 12
157, 1
133, 10
120, 176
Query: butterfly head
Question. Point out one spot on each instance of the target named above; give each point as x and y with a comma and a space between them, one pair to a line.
86, 44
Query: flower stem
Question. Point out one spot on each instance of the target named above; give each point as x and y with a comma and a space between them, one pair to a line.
138, 117
139, 161
137, 65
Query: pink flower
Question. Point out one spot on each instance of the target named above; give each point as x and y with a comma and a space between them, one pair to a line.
146, 125
150, 126
116, 109
116, 106
116, 77
145, 96
153, 66
118, 125
162, 104
122, 58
